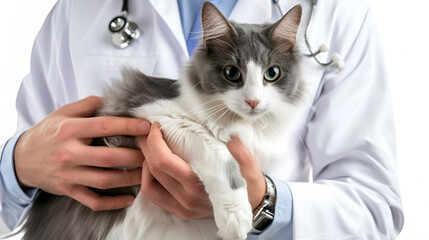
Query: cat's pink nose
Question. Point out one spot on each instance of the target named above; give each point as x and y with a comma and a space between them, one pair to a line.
252, 103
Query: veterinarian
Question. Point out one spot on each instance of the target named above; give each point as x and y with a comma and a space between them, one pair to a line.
342, 185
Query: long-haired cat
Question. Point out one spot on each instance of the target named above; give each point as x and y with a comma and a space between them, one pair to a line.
243, 79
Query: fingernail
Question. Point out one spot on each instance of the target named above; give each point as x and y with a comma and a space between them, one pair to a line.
143, 126
129, 203
233, 138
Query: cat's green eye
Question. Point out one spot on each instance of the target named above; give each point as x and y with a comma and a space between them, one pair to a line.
272, 74
232, 73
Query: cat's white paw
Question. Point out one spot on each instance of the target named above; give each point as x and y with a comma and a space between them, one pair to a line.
234, 218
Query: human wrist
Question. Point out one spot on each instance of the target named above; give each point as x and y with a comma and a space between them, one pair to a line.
18, 155
20, 193
263, 215
282, 225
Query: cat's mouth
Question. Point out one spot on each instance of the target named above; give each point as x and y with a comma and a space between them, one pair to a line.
254, 113
248, 113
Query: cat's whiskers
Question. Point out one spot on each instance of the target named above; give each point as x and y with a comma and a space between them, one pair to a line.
207, 110
193, 109
229, 118
233, 116
213, 113
193, 87
216, 111
226, 111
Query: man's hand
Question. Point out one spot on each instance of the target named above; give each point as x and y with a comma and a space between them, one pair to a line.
55, 155
170, 182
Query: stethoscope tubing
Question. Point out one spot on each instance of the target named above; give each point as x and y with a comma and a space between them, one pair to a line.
125, 36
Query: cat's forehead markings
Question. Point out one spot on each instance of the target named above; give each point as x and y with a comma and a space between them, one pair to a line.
254, 73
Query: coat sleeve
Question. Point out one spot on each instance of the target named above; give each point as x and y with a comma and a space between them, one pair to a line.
351, 144
48, 86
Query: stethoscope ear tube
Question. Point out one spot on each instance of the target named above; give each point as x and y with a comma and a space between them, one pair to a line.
125, 32
335, 60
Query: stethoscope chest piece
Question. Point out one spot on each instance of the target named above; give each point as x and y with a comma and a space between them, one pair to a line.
124, 31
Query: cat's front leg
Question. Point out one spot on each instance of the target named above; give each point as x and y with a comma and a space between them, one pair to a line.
232, 213
218, 170
227, 191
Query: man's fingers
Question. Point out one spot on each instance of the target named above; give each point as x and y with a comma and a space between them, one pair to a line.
157, 194
157, 143
100, 203
170, 184
167, 181
105, 178
111, 126
82, 108
109, 157
102, 126
164, 159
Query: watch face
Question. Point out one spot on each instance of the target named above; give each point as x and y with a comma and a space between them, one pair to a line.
263, 221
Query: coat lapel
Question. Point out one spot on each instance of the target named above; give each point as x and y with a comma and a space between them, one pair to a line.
168, 10
245, 11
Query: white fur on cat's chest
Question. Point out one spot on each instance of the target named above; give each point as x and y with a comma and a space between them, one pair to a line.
267, 145
145, 220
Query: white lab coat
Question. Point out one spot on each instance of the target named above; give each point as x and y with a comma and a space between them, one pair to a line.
349, 137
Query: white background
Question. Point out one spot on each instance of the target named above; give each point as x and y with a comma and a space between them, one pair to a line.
403, 27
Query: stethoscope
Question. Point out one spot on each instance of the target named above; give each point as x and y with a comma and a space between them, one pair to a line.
125, 32
335, 60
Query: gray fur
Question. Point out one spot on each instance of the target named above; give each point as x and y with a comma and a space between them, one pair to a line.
60, 217
233, 173
249, 42
135, 89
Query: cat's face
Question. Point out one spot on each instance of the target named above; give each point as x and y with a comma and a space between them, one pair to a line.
253, 69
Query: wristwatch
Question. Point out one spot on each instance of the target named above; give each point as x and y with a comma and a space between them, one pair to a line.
264, 214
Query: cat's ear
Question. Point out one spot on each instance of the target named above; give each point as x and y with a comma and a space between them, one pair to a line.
218, 32
283, 32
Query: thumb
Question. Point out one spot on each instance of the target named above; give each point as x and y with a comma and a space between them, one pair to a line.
242, 155
249, 169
